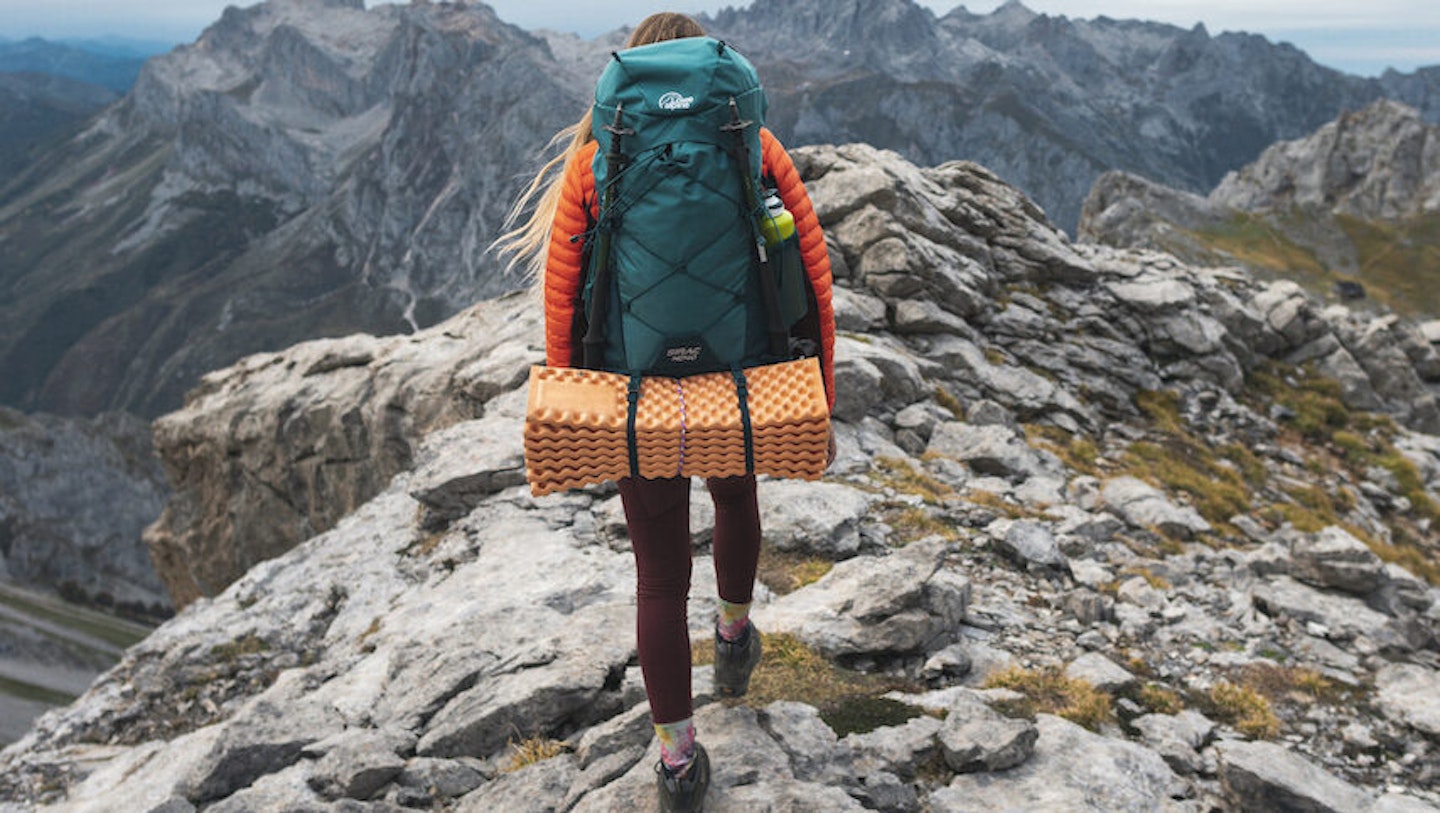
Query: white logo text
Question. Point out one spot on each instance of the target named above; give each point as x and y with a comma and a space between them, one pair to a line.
674, 101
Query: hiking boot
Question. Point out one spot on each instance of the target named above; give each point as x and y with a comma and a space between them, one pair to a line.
687, 791
735, 660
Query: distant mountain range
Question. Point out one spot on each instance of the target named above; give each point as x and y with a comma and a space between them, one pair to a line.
110, 63
49, 88
311, 168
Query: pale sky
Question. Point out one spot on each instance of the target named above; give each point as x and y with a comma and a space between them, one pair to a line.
1359, 36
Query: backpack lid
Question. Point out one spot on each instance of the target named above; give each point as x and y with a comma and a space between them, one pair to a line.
678, 90
675, 77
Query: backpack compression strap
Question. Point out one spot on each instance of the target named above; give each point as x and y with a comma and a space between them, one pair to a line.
615, 161
632, 395
742, 395
769, 291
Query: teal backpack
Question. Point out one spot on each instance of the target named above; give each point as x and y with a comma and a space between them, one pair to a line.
679, 279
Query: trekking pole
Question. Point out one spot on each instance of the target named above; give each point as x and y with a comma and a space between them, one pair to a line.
769, 290
594, 341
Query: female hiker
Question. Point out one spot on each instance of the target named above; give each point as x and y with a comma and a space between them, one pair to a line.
556, 240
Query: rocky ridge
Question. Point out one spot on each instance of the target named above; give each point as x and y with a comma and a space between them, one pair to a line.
1061, 465
1380, 163
311, 168
1357, 200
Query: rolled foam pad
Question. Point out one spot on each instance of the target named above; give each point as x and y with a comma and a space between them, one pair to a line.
576, 425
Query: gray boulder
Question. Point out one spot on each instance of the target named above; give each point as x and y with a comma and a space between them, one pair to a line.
1144, 506
1177, 738
977, 738
1071, 769
989, 449
1336, 559
1410, 694
1266, 776
903, 602
818, 518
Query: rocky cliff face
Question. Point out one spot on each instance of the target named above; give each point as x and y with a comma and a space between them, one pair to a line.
1380, 163
1356, 201
74, 497
261, 465
1156, 566
310, 168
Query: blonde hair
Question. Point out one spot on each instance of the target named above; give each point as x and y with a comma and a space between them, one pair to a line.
526, 242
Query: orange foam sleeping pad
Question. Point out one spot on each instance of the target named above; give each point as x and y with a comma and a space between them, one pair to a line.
575, 425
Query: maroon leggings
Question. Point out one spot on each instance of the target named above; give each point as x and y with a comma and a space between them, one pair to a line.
658, 513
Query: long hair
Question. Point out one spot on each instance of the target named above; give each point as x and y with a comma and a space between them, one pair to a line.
525, 239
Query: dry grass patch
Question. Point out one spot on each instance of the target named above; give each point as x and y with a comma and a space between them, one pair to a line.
849, 702
947, 399
1151, 577
1244, 709
898, 474
1157, 699
1255, 242
531, 750
1181, 463
1075, 451
785, 572
914, 522
1296, 685
995, 502
1407, 554
1049, 691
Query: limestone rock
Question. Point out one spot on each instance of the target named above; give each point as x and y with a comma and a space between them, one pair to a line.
1334, 558
814, 750
1071, 769
74, 496
1266, 776
902, 602
989, 449
459, 466
1177, 738
818, 518
896, 749
1340, 616
1032, 544
1145, 506
976, 738
264, 456
356, 764
1100, 672
1410, 694
1377, 166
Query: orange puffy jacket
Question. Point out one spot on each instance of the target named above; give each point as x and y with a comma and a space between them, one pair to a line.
578, 207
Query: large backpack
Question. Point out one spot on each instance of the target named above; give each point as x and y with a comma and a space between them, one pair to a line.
677, 280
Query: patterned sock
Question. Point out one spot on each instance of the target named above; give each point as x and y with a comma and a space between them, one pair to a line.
733, 618
677, 744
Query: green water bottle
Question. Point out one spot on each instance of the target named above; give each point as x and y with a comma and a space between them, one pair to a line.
777, 224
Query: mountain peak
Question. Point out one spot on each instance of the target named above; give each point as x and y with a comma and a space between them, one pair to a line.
1014, 11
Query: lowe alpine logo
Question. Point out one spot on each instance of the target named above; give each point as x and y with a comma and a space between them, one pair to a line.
674, 101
